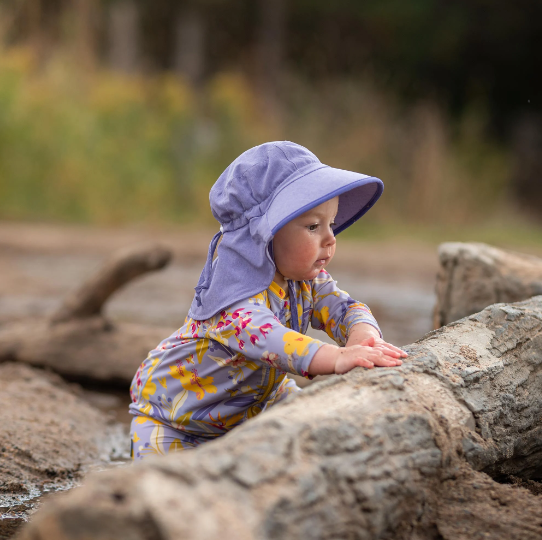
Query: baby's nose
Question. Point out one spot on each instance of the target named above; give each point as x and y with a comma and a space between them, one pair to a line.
330, 240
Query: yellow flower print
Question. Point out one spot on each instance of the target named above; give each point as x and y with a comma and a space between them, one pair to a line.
177, 446
182, 420
226, 422
191, 381
323, 314
149, 389
296, 342
145, 419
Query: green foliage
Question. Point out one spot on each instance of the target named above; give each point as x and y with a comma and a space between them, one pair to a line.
106, 149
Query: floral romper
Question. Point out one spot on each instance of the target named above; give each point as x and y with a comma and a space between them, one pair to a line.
212, 375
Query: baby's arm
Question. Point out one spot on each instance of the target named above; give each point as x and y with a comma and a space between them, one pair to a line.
352, 323
335, 312
251, 329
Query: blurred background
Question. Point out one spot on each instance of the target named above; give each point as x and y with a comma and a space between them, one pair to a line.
126, 111
121, 114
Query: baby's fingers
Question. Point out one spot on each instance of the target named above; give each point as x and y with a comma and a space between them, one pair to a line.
385, 359
364, 362
392, 350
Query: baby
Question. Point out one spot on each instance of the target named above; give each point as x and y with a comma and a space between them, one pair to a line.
280, 209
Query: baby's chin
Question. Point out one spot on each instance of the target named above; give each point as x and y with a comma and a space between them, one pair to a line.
309, 274
313, 273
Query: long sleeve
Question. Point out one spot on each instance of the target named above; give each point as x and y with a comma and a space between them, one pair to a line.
335, 312
252, 330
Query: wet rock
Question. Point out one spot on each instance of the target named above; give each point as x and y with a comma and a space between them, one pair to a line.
49, 437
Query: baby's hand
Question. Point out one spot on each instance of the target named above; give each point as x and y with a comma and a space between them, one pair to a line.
367, 355
389, 350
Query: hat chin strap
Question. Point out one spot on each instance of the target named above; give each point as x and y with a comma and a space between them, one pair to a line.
207, 273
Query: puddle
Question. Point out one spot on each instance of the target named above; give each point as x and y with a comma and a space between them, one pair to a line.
17, 508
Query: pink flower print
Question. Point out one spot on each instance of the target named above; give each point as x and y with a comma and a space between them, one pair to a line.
235, 314
254, 338
180, 369
264, 327
194, 327
245, 322
241, 344
237, 331
235, 361
271, 359
138, 376
220, 325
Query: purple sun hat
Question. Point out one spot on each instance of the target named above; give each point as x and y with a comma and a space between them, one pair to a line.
262, 190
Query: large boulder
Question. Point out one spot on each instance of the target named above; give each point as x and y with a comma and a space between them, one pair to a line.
473, 276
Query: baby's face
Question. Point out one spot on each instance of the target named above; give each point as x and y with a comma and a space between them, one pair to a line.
305, 245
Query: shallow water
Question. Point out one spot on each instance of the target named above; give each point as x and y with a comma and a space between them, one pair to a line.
17, 508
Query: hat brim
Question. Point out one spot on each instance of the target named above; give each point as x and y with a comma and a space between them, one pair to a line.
357, 194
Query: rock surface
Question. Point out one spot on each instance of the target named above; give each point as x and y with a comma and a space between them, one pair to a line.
473, 276
385, 453
92, 349
49, 437
77, 341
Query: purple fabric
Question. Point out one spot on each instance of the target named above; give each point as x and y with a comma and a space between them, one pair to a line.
261, 191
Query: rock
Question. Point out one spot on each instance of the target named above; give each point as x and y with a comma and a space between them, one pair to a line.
77, 341
49, 437
474, 276
87, 350
374, 454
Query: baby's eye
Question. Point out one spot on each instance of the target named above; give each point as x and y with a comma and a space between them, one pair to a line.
313, 227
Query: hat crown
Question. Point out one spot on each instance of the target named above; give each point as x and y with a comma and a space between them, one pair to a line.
245, 188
